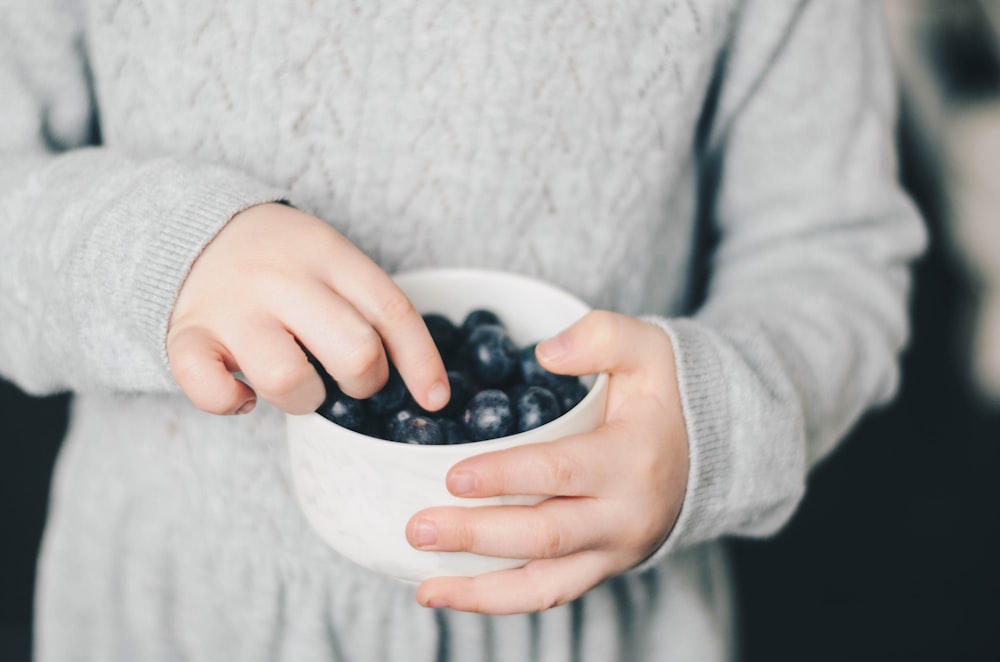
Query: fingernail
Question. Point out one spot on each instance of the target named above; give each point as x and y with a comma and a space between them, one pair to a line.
463, 483
424, 533
247, 406
438, 603
552, 349
437, 397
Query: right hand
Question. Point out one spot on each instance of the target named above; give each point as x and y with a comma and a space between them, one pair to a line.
275, 275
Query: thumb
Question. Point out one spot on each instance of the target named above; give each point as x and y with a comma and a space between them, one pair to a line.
602, 341
201, 365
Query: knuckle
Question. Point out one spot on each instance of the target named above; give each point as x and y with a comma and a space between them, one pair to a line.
465, 537
280, 378
604, 326
544, 596
561, 472
364, 356
394, 309
551, 542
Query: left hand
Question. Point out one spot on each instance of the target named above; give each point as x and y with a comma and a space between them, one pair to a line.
615, 492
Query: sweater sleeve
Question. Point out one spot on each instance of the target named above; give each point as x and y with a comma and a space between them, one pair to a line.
806, 309
94, 243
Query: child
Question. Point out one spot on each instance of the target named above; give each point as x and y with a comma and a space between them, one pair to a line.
145, 260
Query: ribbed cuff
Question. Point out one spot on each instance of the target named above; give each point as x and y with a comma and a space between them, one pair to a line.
194, 206
703, 399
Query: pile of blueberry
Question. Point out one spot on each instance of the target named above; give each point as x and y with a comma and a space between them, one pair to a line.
497, 389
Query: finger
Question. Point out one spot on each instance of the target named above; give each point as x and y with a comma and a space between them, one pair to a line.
578, 465
336, 334
379, 300
538, 586
202, 367
553, 528
277, 368
603, 341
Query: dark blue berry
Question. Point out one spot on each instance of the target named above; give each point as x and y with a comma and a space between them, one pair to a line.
492, 355
376, 427
488, 415
397, 418
392, 396
478, 355
535, 407
400, 416
570, 393
477, 318
533, 374
419, 430
343, 410
461, 390
445, 335
515, 390
457, 361
454, 432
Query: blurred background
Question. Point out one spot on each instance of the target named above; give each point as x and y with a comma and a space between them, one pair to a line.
893, 554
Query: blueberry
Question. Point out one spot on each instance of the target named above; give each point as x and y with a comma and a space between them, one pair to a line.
392, 396
535, 407
570, 393
343, 410
515, 390
492, 355
419, 430
461, 390
444, 334
531, 371
477, 318
454, 432
488, 415
399, 416
375, 427
391, 423
533, 374
457, 361
519, 394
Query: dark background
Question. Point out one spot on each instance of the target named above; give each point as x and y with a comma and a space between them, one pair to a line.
891, 556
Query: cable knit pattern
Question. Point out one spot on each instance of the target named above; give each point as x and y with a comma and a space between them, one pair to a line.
581, 141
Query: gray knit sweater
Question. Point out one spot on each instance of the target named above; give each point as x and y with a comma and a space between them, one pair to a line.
582, 141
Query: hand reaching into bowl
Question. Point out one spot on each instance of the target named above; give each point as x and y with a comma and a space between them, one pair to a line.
274, 276
616, 492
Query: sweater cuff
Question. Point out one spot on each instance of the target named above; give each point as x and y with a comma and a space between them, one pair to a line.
195, 205
703, 399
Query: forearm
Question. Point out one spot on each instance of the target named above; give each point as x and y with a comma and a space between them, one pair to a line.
95, 246
806, 311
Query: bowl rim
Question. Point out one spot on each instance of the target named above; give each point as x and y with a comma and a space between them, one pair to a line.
599, 385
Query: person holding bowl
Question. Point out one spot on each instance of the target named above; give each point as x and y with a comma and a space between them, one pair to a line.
192, 194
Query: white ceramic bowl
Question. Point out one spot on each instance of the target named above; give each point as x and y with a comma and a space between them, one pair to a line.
359, 492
